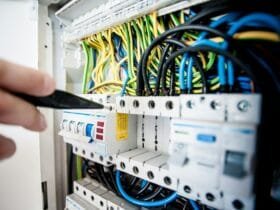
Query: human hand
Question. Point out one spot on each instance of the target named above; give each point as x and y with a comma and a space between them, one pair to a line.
15, 111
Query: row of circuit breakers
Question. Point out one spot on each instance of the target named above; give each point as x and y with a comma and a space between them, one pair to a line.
201, 146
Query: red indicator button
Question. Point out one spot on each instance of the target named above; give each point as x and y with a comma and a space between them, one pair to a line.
99, 130
101, 124
99, 137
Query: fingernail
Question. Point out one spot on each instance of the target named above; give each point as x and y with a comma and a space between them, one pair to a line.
42, 123
7, 148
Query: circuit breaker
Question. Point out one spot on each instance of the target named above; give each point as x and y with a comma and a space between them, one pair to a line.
99, 135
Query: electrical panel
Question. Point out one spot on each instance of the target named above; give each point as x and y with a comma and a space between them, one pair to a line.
183, 150
182, 103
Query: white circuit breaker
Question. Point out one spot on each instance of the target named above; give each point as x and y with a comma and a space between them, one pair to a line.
99, 135
213, 158
215, 155
93, 193
75, 202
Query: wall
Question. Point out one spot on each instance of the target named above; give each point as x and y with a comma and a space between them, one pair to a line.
20, 176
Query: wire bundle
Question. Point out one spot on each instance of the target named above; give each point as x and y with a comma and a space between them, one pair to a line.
214, 61
139, 192
184, 53
112, 56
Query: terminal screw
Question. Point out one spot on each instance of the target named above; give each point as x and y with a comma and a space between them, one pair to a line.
243, 106
215, 105
190, 104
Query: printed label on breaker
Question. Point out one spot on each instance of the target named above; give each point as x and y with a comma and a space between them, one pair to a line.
122, 127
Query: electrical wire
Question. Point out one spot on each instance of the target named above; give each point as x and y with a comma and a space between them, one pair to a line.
143, 188
117, 51
194, 205
70, 169
137, 202
226, 54
203, 78
153, 195
112, 177
159, 39
104, 180
265, 19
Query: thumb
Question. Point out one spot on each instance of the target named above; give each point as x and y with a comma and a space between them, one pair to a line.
7, 147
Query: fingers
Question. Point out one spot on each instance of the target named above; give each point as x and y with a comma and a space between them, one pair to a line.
15, 111
7, 147
17, 78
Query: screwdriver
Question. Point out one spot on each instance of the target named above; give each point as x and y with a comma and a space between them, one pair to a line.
61, 100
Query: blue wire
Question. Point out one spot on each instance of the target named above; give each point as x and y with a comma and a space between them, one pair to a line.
222, 79
266, 20
189, 74
192, 13
181, 73
144, 183
93, 55
183, 86
225, 19
262, 19
125, 83
245, 86
137, 202
243, 78
255, 19
194, 205
90, 84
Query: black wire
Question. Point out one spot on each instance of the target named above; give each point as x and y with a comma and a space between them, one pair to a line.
111, 173
132, 183
143, 189
172, 79
92, 173
206, 13
203, 48
154, 194
105, 181
100, 180
257, 59
171, 42
99, 176
70, 170
161, 62
176, 43
273, 76
159, 39
196, 63
202, 74
180, 202
185, 206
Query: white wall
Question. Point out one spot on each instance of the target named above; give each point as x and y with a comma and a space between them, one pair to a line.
20, 176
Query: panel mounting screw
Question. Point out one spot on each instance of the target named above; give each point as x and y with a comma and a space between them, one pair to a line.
243, 105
